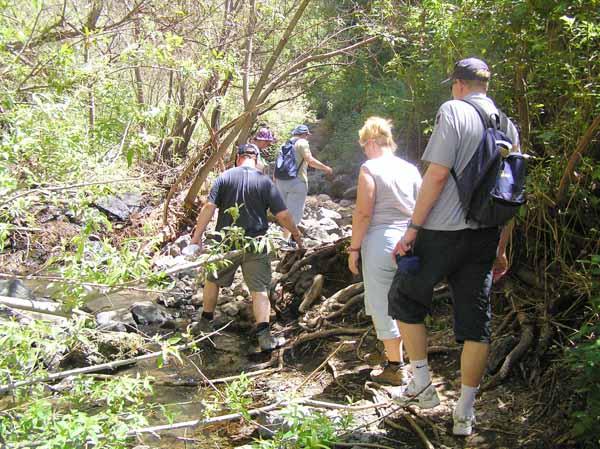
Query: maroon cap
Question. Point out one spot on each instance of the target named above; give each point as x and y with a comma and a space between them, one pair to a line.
264, 134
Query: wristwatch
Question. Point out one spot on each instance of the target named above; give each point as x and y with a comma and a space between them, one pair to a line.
416, 227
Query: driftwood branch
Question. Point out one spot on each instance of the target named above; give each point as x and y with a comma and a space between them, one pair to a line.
32, 305
328, 333
313, 293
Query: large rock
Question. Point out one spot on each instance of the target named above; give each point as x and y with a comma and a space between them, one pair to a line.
350, 194
115, 345
317, 182
114, 207
134, 201
341, 184
147, 312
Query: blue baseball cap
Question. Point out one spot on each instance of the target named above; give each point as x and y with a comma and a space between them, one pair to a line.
300, 129
470, 69
249, 149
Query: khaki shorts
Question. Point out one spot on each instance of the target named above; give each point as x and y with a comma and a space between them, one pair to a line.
256, 269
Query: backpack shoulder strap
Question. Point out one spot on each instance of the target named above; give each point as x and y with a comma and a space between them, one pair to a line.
503, 121
493, 120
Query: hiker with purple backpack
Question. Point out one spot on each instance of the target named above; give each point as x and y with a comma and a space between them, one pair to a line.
450, 243
291, 175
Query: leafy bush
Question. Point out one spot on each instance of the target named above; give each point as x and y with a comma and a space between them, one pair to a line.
83, 412
585, 361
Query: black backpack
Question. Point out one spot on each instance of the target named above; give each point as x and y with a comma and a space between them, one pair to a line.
491, 188
285, 165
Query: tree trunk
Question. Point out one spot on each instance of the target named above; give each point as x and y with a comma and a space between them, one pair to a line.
582, 145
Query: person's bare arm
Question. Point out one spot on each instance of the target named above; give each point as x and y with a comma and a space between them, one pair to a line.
361, 218
286, 220
315, 163
500, 266
434, 181
204, 217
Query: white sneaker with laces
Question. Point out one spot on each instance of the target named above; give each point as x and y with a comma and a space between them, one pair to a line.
425, 397
463, 425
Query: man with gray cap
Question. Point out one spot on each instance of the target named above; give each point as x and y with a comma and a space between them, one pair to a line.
291, 176
449, 246
254, 193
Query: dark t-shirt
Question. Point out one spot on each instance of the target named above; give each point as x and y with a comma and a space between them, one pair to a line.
253, 191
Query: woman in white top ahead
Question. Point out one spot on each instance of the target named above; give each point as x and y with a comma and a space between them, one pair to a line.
387, 192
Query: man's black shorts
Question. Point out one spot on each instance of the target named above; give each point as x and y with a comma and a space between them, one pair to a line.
465, 259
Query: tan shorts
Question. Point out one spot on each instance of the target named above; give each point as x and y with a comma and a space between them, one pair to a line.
256, 269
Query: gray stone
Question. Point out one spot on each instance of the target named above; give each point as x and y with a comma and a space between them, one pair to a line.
149, 313
133, 200
231, 308
328, 213
15, 288
308, 223
323, 197
111, 344
183, 241
310, 243
350, 194
328, 225
173, 250
341, 184
317, 233
113, 207
346, 203
120, 320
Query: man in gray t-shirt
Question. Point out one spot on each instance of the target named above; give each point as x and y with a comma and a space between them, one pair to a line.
449, 246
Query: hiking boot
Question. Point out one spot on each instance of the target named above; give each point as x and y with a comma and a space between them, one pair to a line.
202, 326
268, 342
463, 425
390, 375
425, 397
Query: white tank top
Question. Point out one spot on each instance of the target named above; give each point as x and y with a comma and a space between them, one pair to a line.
397, 183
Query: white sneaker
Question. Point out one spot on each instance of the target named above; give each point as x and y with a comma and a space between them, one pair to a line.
463, 425
425, 397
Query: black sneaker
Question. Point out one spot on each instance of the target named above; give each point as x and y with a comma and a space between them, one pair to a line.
201, 327
268, 342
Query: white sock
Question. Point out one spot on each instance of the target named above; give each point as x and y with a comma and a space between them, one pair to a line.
464, 406
420, 370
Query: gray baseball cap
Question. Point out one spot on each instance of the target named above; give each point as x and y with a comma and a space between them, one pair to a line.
300, 129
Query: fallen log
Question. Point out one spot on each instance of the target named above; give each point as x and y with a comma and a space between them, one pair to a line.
527, 337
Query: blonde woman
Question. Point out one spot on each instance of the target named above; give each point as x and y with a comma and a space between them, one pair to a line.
387, 192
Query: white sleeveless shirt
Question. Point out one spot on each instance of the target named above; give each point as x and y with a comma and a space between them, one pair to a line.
397, 183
